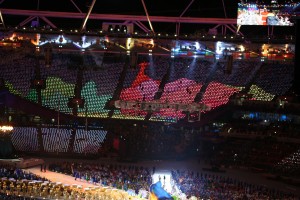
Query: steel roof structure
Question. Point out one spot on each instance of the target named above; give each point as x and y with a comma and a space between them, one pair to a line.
138, 20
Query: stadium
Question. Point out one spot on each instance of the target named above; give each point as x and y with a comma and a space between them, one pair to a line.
142, 100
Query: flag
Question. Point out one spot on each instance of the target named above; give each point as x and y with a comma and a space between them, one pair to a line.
158, 193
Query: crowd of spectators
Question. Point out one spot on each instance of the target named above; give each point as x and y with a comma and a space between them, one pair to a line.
206, 186
277, 148
17, 184
197, 184
131, 177
18, 174
258, 154
265, 129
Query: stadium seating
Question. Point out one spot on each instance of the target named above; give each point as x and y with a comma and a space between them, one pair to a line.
89, 142
56, 139
25, 139
131, 177
260, 154
217, 94
290, 165
242, 72
141, 84
98, 87
209, 186
264, 87
187, 76
16, 184
60, 83
182, 91
17, 73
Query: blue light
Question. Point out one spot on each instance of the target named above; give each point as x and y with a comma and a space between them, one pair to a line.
283, 118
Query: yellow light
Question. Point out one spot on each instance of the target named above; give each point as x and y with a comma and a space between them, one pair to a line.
12, 37
128, 43
242, 48
6, 128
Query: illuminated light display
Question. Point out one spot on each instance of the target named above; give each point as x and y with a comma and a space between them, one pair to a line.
57, 94
218, 94
98, 89
53, 143
6, 128
143, 88
190, 49
25, 138
172, 48
142, 83
157, 106
278, 52
259, 94
61, 39
95, 103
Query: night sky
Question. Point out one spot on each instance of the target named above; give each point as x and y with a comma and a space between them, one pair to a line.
199, 8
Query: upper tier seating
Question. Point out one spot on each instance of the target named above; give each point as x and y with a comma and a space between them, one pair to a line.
89, 141
25, 139
98, 87
273, 79
56, 140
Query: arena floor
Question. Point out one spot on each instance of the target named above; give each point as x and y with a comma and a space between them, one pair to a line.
58, 177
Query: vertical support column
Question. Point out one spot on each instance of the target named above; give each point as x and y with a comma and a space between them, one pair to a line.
177, 29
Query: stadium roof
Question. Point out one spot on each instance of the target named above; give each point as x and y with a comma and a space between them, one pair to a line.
193, 15
198, 8
174, 8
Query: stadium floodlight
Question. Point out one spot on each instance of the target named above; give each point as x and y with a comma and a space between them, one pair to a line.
6, 128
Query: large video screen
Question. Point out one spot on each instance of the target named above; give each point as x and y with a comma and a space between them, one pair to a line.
267, 12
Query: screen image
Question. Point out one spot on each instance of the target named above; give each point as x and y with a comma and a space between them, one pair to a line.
272, 13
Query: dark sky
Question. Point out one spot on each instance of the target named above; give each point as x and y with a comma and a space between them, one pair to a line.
199, 8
